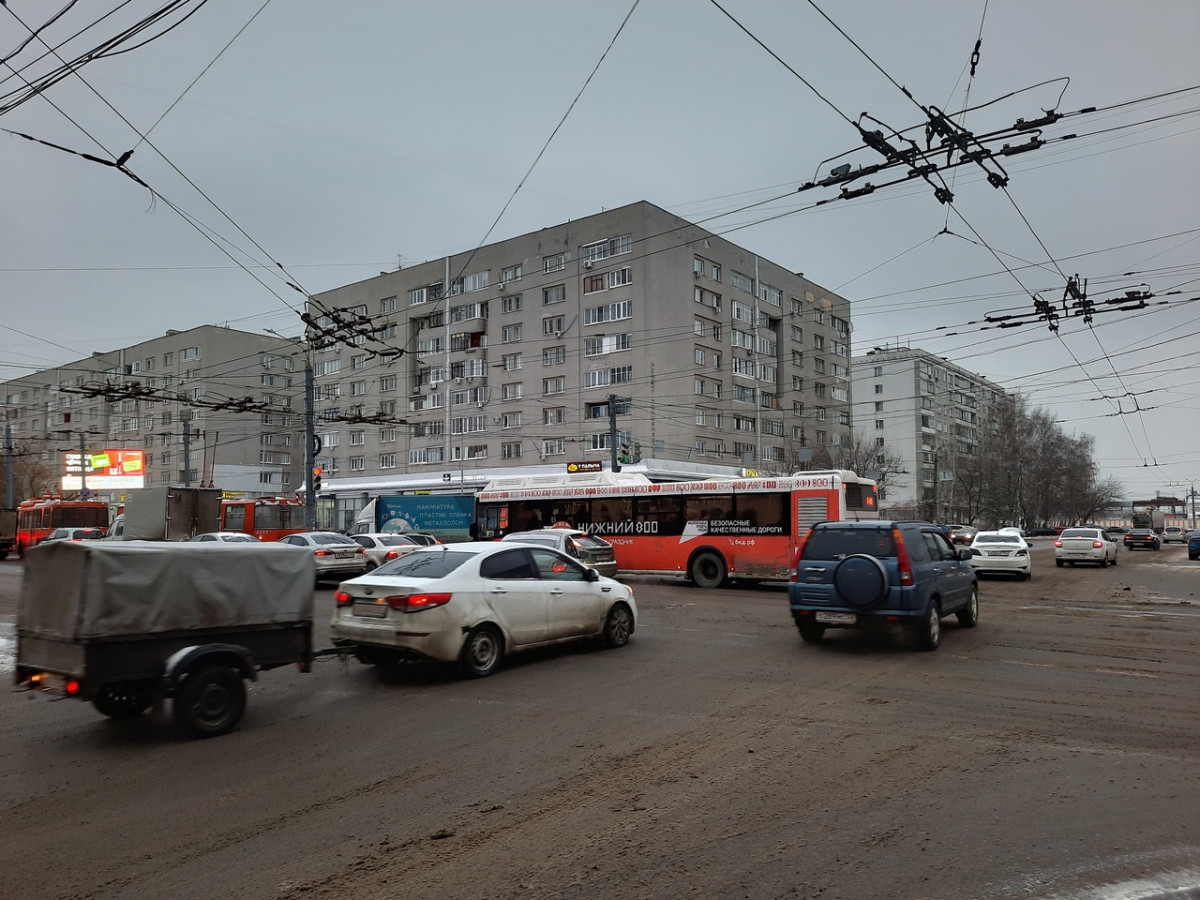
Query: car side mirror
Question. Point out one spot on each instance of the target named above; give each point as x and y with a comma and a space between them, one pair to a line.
964, 555
592, 575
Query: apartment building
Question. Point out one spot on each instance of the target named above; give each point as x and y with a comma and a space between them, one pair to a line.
937, 417
515, 353
205, 405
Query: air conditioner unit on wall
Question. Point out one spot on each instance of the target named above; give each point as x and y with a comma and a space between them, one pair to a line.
587, 263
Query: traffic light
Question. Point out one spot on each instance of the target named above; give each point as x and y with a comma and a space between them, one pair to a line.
624, 456
316, 479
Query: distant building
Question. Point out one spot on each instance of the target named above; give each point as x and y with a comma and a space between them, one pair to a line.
507, 356
158, 396
936, 416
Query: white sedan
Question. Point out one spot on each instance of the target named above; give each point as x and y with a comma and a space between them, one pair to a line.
383, 548
1001, 551
472, 604
1089, 545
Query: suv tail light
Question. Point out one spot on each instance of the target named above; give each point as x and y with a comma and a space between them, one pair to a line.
794, 574
902, 562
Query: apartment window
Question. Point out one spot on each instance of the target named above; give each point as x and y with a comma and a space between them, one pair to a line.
359, 388
700, 414
620, 277
389, 305
510, 450
698, 387
358, 464
510, 420
878, 406
358, 362
552, 326
387, 460
554, 294
189, 353
512, 303
511, 391
387, 435
603, 377
554, 447
387, 383
593, 283
879, 424
511, 273
358, 438
741, 282
818, 342
698, 356
511, 333
878, 371
555, 263
556, 415
609, 312
606, 248
601, 344
510, 361
879, 388
554, 356
554, 385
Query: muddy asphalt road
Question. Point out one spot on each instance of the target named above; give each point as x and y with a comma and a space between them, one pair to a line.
1052, 752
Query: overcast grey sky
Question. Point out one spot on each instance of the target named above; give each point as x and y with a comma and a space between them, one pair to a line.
340, 140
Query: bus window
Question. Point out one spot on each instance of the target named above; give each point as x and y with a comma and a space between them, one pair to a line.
709, 507
234, 517
659, 515
763, 513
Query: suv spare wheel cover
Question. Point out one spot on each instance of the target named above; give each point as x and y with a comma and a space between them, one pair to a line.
861, 580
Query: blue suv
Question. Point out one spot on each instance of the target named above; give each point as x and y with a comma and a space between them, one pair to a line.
864, 574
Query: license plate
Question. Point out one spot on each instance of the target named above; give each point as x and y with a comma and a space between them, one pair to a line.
997, 553
837, 618
370, 610
343, 556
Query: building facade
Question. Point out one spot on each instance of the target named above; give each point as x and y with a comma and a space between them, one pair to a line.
206, 405
514, 354
936, 417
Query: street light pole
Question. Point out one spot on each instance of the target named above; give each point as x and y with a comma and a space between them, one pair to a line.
310, 495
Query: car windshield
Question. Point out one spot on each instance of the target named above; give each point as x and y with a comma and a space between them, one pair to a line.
396, 540
834, 543
995, 537
588, 542
1090, 533
424, 564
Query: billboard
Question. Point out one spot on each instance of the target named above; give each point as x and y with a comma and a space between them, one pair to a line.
105, 470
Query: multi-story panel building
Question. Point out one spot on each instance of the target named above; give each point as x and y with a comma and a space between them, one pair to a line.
511, 354
936, 417
205, 405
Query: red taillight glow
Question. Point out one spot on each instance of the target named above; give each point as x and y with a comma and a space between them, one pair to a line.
902, 563
1096, 544
1058, 543
341, 598
392, 554
72, 687
416, 602
322, 553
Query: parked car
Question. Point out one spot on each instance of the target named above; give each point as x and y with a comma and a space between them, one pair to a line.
1012, 529
1173, 534
1142, 537
334, 553
74, 534
473, 604
1116, 532
994, 552
382, 548
224, 537
962, 534
864, 574
1085, 545
418, 537
1044, 532
594, 552
1194, 545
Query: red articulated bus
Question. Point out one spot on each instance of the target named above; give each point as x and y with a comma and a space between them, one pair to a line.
267, 518
706, 531
38, 517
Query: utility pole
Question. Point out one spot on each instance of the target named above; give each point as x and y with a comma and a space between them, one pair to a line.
310, 438
187, 451
8, 476
612, 432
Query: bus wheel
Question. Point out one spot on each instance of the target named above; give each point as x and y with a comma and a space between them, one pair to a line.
708, 570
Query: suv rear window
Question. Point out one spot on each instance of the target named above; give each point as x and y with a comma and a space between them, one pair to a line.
835, 543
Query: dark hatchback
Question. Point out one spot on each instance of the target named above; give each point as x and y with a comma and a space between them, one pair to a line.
1142, 538
1194, 544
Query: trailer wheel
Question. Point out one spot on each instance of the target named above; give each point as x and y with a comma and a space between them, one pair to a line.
210, 702
119, 701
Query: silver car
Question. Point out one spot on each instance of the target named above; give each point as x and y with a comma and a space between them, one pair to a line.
333, 553
593, 552
1084, 545
472, 604
382, 548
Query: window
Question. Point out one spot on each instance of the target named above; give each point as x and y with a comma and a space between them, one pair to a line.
554, 447
359, 388
388, 305
512, 303
358, 438
387, 435
189, 353
510, 420
555, 263
878, 406
741, 282
879, 424
556, 415
554, 385
593, 283
358, 464
601, 344
620, 277
387, 461
510, 450
511, 391
610, 312
879, 388
511, 273
698, 387
554, 356
602, 377
552, 326
699, 356
818, 342
511, 334
554, 294
510, 361
358, 362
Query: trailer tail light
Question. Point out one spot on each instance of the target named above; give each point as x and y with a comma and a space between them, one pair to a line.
902, 561
410, 603
341, 598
